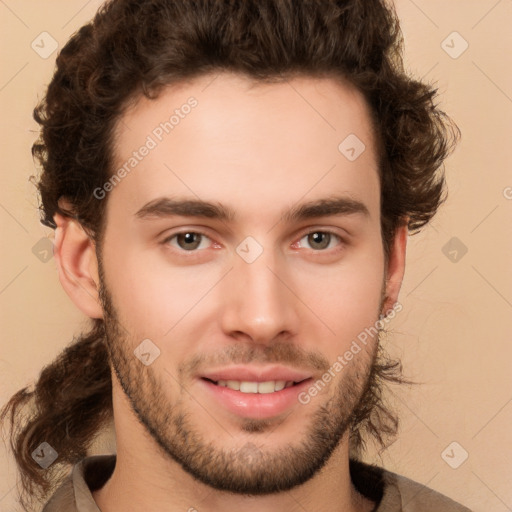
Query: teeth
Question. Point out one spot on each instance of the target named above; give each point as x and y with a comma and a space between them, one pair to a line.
255, 387
248, 387
233, 384
280, 384
266, 387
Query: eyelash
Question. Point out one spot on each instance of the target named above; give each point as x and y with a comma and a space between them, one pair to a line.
341, 241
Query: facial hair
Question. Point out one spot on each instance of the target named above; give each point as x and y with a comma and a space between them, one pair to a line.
248, 470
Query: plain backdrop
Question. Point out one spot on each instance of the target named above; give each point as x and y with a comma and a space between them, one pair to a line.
453, 334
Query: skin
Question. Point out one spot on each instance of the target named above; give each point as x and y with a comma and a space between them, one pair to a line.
260, 150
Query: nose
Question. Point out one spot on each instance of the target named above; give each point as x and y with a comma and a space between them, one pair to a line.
258, 304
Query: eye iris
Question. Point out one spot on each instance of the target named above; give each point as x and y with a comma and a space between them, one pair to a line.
315, 238
189, 238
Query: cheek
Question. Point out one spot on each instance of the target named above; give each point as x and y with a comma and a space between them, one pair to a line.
345, 297
155, 299
153, 296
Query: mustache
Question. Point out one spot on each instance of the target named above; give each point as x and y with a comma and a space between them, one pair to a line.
278, 352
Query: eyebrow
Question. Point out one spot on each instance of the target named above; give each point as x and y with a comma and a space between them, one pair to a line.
166, 207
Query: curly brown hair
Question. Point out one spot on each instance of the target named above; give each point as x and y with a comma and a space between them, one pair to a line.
134, 48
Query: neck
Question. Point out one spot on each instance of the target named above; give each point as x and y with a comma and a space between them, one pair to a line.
146, 478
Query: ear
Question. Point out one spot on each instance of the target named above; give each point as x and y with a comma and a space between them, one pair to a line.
75, 254
395, 268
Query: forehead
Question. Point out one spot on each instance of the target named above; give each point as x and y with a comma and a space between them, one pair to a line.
228, 138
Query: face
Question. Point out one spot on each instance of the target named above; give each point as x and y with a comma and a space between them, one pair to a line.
245, 245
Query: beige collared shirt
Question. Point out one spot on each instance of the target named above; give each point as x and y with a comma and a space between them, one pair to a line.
392, 492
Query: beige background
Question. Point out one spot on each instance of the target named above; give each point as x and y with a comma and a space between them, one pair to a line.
454, 331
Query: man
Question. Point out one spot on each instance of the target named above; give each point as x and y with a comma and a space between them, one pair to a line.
283, 143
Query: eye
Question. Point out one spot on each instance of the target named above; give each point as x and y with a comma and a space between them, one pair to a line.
321, 240
187, 240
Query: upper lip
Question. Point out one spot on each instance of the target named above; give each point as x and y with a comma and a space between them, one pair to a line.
256, 374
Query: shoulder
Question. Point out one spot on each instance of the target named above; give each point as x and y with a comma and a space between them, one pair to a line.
63, 499
75, 493
396, 493
416, 497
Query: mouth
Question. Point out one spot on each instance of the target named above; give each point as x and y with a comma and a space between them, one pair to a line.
267, 387
249, 393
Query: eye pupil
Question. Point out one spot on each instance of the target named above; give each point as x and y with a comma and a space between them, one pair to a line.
189, 239
316, 238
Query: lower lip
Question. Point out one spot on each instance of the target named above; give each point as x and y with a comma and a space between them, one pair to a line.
255, 405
